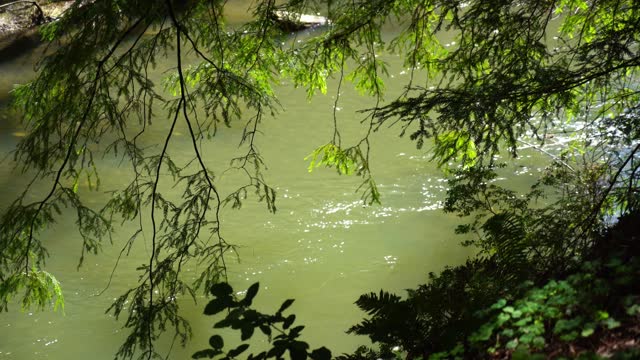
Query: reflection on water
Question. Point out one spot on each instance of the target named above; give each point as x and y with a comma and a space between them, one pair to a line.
322, 247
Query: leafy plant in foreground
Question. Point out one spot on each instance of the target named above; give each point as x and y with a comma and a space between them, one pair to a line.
598, 296
240, 316
433, 317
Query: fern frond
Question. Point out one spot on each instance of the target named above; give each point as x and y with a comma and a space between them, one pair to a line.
373, 304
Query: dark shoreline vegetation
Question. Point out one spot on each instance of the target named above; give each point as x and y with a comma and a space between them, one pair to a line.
556, 273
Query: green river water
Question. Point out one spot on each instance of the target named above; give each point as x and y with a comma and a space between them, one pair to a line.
322, 247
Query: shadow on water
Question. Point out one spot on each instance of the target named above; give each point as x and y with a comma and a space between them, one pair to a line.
13, 47
18, 56
16, 62
9, 116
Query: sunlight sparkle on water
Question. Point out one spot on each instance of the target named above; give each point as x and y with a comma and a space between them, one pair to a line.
51, 342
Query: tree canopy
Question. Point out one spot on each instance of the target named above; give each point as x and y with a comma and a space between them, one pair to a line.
517, 71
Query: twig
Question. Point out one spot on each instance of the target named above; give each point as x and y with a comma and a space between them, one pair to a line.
612, 183
554, 157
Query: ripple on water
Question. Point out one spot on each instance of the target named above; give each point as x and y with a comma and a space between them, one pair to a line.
344, 215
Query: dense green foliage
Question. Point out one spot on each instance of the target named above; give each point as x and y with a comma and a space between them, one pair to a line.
517, 72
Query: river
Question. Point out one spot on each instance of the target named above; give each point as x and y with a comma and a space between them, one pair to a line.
322, 247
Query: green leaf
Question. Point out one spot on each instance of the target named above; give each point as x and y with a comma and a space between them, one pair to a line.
285, 305
251, 293
295, 332
499, 304
564, 325
526, 339
41, 287
216, 342
237, 351
215, 306
288, 321
226, 322
633, 310
454, 146
221, 290
298, 350
569, 336
266, 329
297, 354
209, 353
538, 342
261, 356
524, 321
483, 334
502, 318
586, 332
246, 332
512, 344
321, 354
332, 155
278, 349
611, 323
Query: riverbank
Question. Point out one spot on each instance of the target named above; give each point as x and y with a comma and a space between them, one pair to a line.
21, 19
